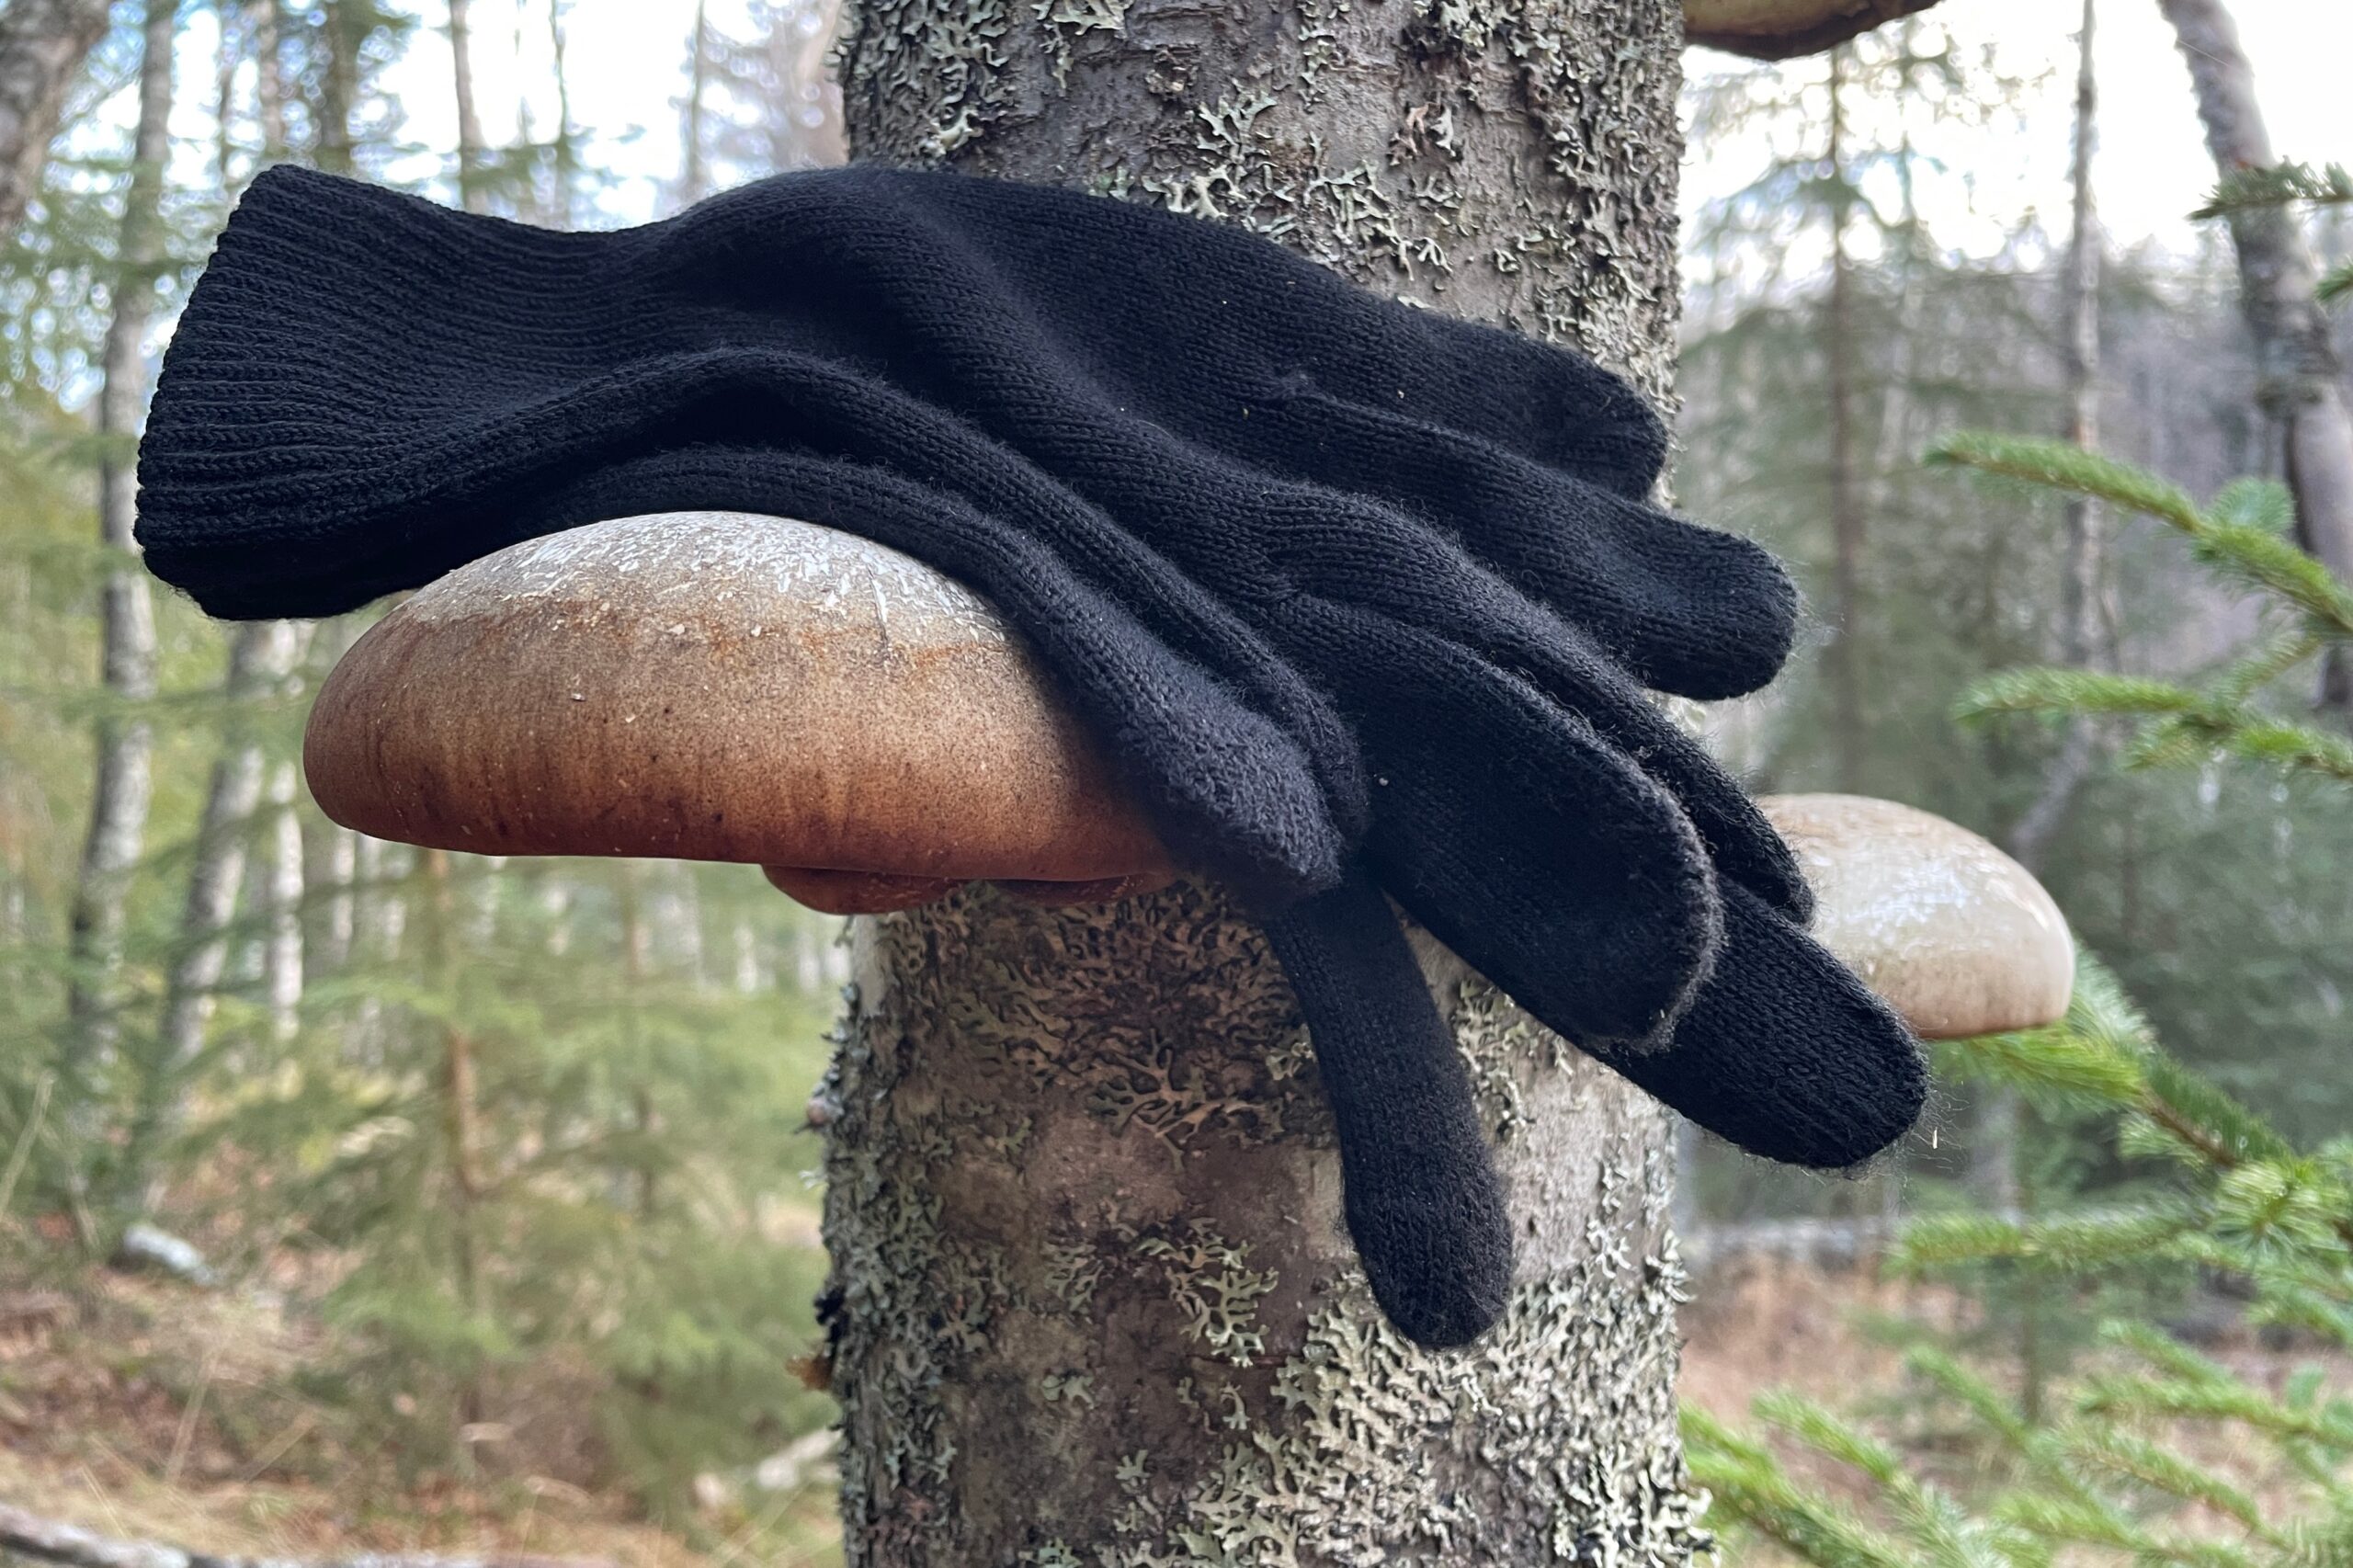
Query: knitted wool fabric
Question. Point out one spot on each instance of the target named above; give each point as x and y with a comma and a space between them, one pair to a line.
1329, 577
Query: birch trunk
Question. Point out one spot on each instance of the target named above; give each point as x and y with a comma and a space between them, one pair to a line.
282, 908
125, 739
2084, 614
261, 655
693, 179
471, 194
42, 46
1092, 1300
567, 151
269, 80
1847, 522
341, 35
2301, 380
334, 851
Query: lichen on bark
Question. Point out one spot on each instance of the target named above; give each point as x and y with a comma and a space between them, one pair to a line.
1093, 1301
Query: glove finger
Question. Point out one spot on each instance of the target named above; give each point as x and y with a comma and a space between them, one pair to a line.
1741, 844
1691, 610
1784, 1052
1519, 836
1383, 562
1425, 1205
1232, 793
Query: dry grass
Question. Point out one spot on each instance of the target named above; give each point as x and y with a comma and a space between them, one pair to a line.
1765, 1324
143, 1409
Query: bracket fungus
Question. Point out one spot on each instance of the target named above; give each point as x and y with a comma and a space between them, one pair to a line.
722, 686
1783, 29
1952, 933
725, 686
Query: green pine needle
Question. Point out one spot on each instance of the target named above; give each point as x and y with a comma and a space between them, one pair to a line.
2251, 190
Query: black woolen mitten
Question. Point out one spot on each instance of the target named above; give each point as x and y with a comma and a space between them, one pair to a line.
1321, 572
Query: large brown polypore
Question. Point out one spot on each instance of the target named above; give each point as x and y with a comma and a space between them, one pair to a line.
1955, 935
1782, 29
726, 686
723, 686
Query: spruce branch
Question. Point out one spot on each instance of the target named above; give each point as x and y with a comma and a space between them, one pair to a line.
2055, 465
2282, 184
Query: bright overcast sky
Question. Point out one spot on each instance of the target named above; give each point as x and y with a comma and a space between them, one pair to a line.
627, 58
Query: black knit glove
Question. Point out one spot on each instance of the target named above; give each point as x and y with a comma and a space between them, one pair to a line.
1321, 571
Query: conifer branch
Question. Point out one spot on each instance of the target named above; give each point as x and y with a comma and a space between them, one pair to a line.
2282, 185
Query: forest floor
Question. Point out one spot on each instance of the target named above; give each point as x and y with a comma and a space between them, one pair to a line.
145, 1409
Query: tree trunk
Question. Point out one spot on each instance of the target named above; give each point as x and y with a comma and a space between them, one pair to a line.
42, 45
1091, 1301
342, 32
261, 655
2302, 382
1845, 491
567, 152
471, 194
269, 80
2084, 619
282, 908
693, 178
460, 1121
125, 740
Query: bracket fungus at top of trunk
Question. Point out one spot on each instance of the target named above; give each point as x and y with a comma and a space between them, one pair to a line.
1783, 29
725, 686
721, 687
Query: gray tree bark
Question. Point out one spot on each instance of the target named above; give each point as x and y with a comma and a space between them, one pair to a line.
42, 45
1092, 1299
2301, 382
125, 741
261, 655
281, 968
2084, 613
270, 79
471, 194
694, 176
1847, 524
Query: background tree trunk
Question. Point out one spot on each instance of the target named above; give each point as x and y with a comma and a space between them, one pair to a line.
261, 655
282, 905
125, 740
2301, 382
694, 172
1092, 1300
471, 194
42, 45
1848, 729
2084, 619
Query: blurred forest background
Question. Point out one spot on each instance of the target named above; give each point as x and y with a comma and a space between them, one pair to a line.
356, 1195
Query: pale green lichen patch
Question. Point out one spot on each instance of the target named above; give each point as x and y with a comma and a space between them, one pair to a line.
1230, 1415
1068, 21
1503, 1047
1213, 1286
922, 79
